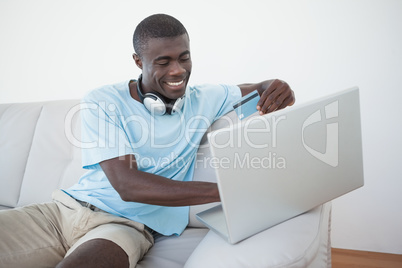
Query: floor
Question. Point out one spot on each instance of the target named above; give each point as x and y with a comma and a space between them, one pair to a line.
342, 258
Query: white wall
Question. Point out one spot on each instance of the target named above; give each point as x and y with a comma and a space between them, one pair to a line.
60, 49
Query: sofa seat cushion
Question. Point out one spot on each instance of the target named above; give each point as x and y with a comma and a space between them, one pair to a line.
173, 251
298, 242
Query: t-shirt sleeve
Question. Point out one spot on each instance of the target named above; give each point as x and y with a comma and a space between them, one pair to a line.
230, 94
102, 135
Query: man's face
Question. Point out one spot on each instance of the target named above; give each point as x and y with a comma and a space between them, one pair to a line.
166, 66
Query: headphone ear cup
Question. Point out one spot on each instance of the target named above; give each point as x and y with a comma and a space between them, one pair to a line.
178, 104
154, 104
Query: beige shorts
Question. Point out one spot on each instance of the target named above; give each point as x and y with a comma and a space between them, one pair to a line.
41, 235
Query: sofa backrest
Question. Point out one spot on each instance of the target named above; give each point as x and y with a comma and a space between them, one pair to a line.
36, 155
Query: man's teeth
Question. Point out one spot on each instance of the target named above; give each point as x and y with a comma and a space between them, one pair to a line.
175, 83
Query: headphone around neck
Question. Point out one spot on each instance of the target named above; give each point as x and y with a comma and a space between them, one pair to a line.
158, 104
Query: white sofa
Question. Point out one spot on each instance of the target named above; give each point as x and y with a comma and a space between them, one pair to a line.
39, 152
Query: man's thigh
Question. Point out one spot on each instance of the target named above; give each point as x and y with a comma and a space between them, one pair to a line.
31, 237
89, 225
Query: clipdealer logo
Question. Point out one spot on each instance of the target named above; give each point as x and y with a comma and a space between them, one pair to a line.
330, 156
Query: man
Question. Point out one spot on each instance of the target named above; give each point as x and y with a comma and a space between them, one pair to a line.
139, 181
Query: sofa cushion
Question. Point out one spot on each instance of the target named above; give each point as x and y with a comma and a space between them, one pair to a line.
55, 141
293, 243
17, 126
173, 251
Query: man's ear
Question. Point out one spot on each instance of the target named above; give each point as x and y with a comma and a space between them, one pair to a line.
137, 60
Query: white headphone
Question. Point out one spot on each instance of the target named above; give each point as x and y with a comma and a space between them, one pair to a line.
158, 104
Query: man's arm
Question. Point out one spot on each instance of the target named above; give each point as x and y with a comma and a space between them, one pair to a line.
275, 95
138, 186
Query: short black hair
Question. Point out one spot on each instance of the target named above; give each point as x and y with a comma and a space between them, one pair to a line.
156, 26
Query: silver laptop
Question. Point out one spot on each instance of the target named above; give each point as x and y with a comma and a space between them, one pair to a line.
274, 167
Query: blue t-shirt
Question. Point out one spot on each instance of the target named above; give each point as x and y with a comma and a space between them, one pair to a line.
114, 124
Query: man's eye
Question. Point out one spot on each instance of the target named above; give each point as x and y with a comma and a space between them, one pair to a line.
163, 63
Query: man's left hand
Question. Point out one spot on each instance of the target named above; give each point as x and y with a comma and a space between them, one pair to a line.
276, 95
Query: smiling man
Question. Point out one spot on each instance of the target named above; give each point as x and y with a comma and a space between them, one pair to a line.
139, 180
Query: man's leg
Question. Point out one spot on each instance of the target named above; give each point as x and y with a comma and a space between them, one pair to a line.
31, 237
109, 245
97, 253
40, 235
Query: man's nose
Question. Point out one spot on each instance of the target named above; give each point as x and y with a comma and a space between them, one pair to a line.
176, 69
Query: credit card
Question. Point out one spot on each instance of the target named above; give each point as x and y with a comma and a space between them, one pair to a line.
247, 105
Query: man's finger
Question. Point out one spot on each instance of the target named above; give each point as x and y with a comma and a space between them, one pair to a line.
267, 92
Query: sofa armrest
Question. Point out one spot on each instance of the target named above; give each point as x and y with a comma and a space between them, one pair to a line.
302, 241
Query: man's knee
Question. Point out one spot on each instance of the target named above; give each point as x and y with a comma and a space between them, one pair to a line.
96, 253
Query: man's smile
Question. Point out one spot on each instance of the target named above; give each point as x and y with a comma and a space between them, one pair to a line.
175, 83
